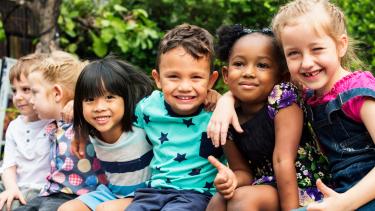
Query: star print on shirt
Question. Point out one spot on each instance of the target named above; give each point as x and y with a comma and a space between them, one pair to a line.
209, 185
146, 118
135, 119
157, 168
168, 180
163, 137
195, 172
180, 157
188, 122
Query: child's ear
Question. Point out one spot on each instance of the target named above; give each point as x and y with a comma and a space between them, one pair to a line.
213, 77
342, 45
224, 71
58, 93
156, 77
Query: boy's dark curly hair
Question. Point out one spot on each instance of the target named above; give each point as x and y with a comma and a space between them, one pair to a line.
196, 41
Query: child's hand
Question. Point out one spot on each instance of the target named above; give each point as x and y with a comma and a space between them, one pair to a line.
211, 99
223, 115
331, 199
8, 196
78, 147
225, 181
67, 112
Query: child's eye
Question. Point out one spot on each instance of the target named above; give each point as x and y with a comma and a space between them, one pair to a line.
318, 49
87, 100
26, 90
14, 90
108, 97
263, 65
172, 76
292, 53
197, 77
237, 64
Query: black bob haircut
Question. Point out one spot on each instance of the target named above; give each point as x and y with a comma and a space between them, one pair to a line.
116, 77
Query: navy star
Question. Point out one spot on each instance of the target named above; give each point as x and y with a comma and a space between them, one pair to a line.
195, 172
168, 180
135, 119
157, 168
188, 122
180, 157
146, 118
163, 137
209, 185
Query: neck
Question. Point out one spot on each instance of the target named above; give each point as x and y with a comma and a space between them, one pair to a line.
248, 110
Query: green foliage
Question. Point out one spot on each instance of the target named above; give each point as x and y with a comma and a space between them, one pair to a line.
92, 30
133, 28
361, 26
2, 32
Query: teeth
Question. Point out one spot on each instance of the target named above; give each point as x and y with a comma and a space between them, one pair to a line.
185, 98
101, 118
312, 73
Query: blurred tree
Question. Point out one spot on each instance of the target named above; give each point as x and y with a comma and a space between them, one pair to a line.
94, 29
46, 13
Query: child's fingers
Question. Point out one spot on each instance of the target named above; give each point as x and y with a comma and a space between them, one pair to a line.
22, 199
210, 133
216, 163
2, 202
223, 134
9, 203
236, 124
82, 147
327, 192
216, 136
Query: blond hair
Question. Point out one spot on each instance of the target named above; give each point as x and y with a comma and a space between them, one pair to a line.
316, 11
63, 69
25, 65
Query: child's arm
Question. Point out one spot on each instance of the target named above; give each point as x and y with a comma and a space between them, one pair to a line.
288, 131
228, 179
211, 100
363, 191
223, 115
11, 188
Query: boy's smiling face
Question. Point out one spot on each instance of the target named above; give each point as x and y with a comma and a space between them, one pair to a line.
184, 80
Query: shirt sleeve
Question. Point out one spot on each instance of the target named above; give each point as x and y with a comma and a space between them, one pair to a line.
10, 151
282, 96
138, 114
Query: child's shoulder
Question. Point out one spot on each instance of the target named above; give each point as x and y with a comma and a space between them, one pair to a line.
283, 95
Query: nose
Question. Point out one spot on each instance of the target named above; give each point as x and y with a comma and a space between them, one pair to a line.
248, 72
185, 86
307, 61
100, 105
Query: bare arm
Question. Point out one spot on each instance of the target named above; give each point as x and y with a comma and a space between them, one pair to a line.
288, 131
238, 164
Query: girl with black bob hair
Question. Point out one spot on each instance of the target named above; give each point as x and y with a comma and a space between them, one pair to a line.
106, 95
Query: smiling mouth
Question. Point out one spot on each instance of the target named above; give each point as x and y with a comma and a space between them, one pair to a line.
312, 73
101, 119
185, 97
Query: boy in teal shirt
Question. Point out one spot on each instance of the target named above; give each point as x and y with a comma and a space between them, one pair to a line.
175, 122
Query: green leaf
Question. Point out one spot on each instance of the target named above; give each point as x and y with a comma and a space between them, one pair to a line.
99, 47
107, 34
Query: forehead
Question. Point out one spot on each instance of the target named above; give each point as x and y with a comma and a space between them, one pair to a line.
253, 44
179, 60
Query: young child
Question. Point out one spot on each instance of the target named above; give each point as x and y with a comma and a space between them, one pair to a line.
105, 90
318, 51
26, 156
52, 85
175, 122
270, 111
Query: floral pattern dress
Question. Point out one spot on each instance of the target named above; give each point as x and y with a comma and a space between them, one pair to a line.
258, 141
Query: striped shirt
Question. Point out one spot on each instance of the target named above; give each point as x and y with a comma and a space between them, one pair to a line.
125, 162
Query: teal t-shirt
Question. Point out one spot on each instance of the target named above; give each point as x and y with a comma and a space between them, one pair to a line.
180, 146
